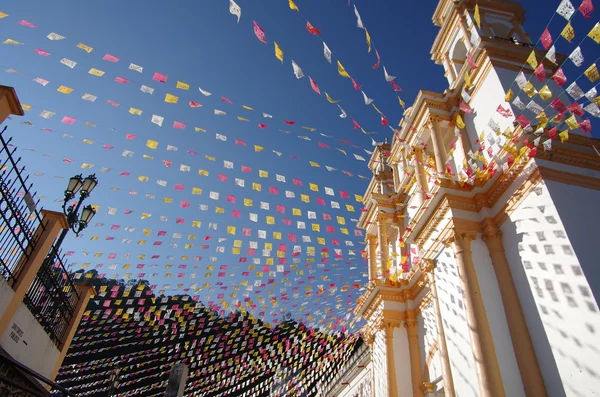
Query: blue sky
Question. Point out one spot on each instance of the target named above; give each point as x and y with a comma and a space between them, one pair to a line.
200, 43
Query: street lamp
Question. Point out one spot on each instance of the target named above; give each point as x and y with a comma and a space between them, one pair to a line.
78, 222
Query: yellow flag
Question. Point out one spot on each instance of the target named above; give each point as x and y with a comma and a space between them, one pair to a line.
26, 107
330, 99
87, 165
296, 212
543, 119
368, 38
313, 164
592, 73
84, 47
263, 174
65, 89
146, 215
402, 103
89, 142
171, 98
270, 220
278, 52
4, 15
210, 158
509, 95
182, 86
477, 17
230, 229
248, 202
196, 190
531, 60
256, 186
167, 200
568, 32
459, 121
242, 119
293, 6
137, 112
314, 187
258, 148
203, 172
342, 151
247, 107
342, 71
11, 41
594, 34
545, 93
219, 210
151, 144
529, 89
96, 72
468, 80
316, 227
198, 129
349, 208
305, 198
358, 198
572, 122
564, 136
143, 178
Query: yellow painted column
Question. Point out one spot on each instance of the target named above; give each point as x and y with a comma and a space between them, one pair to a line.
383, 242
482, 343
27, 268
443, 349
412, 332
531, 374
86, 292
388, 329
372, 256
441, 157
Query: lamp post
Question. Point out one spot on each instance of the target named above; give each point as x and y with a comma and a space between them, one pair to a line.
77, 222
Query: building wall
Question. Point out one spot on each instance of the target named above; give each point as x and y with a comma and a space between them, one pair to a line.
379, 362
455, 325
27, 342
360, 385
6, 294
402, 362
556, 298
428, 339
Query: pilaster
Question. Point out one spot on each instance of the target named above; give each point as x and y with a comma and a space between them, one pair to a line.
388, 325
412, 332
372, 241
383, 241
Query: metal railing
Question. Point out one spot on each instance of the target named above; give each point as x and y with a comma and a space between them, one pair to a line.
17, 380
52, 297
18, 215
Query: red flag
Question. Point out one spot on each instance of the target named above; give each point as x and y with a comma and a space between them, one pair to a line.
314, 85
384, 121
356, 86
297, 182
320, 201
66, 160
344, 194
585, 126
586, 8
259, 32
167, 163
471, 62
523, 121
121, 80
465, 108
195, 104
559, 77
226, 100
546, 39
356, 125
376, 66
239, 142
323, 145
552, 132
540, 72
312, 29
395, 86
279, 208
231, 198
236, 213
504, 112
273, 190
261, 125
245, 168
178, 125
222, 178
576, 109
289, 122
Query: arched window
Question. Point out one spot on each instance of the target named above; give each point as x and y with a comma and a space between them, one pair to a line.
458, 55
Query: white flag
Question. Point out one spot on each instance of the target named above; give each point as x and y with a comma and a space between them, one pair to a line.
289, 194
147, 90
184, 168
327, 52
576, 57
267, 116
239, 182
171, 148
358, 20
235, 10
253, 217
335, 204
592, 109
277, 153
521, 80
518, 103
368, 100
220, 112
330, 168
55, 36
565, 9
551, 54
361, 158
264, 205
329, 191
343, 115
547, 144
47, 114
205, 93
68, 62
228, 164
280, 178
388, 78
158, 120
534, 107
297, 71
575, 91
221, 137
137, 68
89, 97
300, 225
161, 183
214, 195
591, 94
41, 81
112, 211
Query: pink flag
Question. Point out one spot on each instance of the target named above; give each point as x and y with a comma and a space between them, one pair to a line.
245, 168
130, 136
66, 160
195, 104
281, 209
576, 109
471, 62
289, 122
344, 194
356, 86
239, 142
356, 125
113, 103
504, 112
395, 86
110, 58
222, 177
180, 221
231, 198
540, 72
465, 108
179, 186
184, 204
236, 213
323, 145
108, 147
523, 121
167, 163
192, 152
121, 80
124, 173
27, 23
178, 125
376, 66
586, 8
259, 32
320, 201
273, 190
41, 52
585, 126
161, 78
546, 39
226, 100
559, 77
261, 125
297, 182
312, 29
68, 120
314, 85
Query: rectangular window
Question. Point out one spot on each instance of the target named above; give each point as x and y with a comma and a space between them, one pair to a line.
558, 269
548, 249
541, 236
559, 234
551, 220
567, 250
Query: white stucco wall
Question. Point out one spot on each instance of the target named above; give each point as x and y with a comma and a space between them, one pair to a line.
455, 325
380, 364
360, 384
428, 339
492, 300
402, 362
561, 313
29, 344
6, 294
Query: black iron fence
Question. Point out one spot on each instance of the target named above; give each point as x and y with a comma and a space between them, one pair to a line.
52, 296
19, 217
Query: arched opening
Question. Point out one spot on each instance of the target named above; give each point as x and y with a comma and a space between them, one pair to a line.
458, 56
501, 30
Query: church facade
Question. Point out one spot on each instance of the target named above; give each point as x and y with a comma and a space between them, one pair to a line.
482, 264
